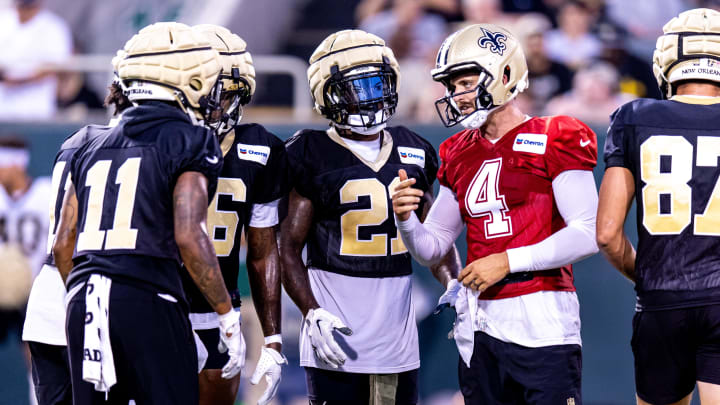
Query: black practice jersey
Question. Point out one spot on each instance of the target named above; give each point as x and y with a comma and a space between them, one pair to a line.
254, 172
124, 183
60, 179
354, 231
672, 150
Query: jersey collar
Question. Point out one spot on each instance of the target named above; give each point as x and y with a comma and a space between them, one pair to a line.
383, 156
227, 142
703, 100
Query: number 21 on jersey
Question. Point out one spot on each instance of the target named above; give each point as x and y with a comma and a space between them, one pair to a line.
351, 221
483, 198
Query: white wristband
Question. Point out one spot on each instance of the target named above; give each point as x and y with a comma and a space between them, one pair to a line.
227, 319
273, 339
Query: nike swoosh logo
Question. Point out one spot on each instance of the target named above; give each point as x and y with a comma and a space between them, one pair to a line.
215, 159
584, 143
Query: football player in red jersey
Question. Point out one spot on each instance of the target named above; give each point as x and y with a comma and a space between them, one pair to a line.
525, 189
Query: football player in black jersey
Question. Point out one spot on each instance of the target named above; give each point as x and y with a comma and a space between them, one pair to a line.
44, 329
137, 204
664, 153
250, 185
357, 279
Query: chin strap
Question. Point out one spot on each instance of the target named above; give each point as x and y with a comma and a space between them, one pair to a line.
363, 130
477, 118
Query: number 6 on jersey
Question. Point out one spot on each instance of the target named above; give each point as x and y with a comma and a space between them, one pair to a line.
483, 198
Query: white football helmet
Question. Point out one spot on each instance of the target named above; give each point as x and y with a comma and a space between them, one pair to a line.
354, 80
689, 49
169, 61
495, 55
238, 75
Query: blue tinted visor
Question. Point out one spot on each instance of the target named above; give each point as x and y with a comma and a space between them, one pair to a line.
368, 88
361, 89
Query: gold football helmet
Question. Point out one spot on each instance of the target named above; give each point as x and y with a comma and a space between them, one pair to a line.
171, 62
353, 80
117, 94
495, 55
238, 74
120, 55
689, 49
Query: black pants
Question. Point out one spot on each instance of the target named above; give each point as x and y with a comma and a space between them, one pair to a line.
674, 348
50, 374
338, 388
506, 373
153, 349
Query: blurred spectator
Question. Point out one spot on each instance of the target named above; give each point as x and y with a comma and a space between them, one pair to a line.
23, 232
424, 111
549, 8
636, 76
448, 9
713, 4
594, 95
23, 202
486, 11
548, 78
407, 28
526, 6
75, 96
414, 35
644, 21
33, 38
572, 43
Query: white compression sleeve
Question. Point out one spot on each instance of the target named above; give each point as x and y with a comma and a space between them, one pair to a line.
265, 215
577, 200
428, 242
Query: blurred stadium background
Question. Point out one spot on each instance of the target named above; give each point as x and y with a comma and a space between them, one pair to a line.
586, 57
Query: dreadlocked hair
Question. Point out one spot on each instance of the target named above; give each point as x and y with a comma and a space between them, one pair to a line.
116, 98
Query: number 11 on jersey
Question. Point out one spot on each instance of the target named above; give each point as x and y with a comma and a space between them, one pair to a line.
483, 198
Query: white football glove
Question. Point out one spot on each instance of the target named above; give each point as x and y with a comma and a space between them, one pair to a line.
320, 324
269, 366
449, 297
231, 340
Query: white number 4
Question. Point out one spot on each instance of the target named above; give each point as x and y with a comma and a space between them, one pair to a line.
483, 199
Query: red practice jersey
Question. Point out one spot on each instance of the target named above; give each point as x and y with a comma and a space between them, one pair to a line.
505, 195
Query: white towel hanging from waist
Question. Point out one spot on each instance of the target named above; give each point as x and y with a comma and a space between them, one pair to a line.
98, 363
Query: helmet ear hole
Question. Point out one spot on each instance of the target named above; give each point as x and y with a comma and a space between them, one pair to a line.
506, 74
195, 84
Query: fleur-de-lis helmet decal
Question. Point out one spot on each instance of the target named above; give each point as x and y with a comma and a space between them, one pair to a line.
494, 41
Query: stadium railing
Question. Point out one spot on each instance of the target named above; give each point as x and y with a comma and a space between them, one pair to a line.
288, 65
